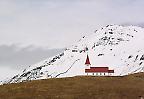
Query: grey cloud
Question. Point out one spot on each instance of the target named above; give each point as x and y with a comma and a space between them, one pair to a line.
135, 24
19, 58
63, 21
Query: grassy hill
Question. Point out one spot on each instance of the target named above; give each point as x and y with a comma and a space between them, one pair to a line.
81, 87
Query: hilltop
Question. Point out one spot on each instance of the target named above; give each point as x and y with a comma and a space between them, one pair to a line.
79, 87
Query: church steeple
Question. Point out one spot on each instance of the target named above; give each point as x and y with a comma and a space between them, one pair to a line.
87, 61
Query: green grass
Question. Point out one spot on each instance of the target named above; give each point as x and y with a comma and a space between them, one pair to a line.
80, 87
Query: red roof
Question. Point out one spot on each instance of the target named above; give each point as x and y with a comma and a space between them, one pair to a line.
97, 69
87, 61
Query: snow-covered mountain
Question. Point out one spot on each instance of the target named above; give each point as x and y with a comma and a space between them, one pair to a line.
117, 47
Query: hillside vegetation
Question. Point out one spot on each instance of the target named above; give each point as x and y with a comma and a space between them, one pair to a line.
80, 87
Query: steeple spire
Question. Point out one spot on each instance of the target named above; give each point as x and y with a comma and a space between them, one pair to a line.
87, 61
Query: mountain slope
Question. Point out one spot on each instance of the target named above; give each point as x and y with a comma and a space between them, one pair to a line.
117, 47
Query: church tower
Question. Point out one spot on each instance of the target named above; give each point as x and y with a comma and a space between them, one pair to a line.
87, 63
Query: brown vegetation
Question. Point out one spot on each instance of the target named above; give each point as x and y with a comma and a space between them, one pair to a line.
81, 87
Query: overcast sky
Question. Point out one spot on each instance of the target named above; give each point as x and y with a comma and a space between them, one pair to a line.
32, 30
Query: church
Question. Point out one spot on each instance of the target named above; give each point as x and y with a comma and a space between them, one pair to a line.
97, 71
